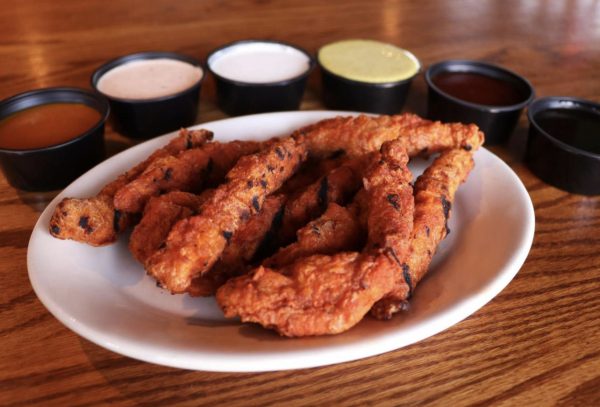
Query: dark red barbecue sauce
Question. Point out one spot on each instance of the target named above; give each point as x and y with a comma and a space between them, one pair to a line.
477, 88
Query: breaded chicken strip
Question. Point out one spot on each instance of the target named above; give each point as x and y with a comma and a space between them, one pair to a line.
95, 220
160, 214
338, 229
311, 171
359, 135
330, 294
337, 186
434, 194
242, 248
195, 244
188, 171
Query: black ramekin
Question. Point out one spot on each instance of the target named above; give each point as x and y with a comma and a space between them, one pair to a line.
146, 118
560, 164
340, 93
496, 122
54, 167
238, 98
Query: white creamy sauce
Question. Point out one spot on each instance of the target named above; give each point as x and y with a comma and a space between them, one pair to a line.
259, 62
149, 79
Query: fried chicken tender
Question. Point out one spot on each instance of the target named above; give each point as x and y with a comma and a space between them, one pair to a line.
338, 229
186, 172
434, 194
316, 296
387, 196
337, 186
223, 156
195, 244
242, 247
360, 135
185, 140
160, 214
90, 220
311, 171
329, 294
95, 220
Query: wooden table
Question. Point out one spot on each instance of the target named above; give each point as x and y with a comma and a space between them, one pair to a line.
537, 343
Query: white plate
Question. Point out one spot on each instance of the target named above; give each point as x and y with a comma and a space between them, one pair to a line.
104, 295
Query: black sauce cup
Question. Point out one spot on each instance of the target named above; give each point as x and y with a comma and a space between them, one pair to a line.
565, 163
239, 98
147, 118
54, 167
340, 93
496, 122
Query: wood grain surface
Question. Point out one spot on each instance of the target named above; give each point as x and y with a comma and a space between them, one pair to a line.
537, 343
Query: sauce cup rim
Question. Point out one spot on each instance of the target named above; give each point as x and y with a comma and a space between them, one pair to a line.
285, 82
479, 64
146, 55
388, 84
104, 113
573, 103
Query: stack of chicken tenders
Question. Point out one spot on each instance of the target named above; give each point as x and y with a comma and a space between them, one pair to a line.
303, 234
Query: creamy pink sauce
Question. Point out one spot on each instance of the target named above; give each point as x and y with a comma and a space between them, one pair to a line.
149, 79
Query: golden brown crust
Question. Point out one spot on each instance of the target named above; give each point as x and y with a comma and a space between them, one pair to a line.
184, 172
355, 135
360, 135
323, 283
434, 194
187, 171
89, 220
160, 214
323, 294
186, 140
316, 296
338, 229
195, 243
310, 172
94, 220
241, 249
337, 186
223, 156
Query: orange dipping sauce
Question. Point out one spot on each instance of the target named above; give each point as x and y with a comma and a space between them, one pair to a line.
46, 125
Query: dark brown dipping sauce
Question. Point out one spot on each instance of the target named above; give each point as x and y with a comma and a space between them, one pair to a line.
46, 125
477, 88
578, 128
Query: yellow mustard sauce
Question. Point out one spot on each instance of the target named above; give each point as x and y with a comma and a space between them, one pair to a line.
368, 61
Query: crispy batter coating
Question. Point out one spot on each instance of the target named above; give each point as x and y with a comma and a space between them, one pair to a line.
338, 229
95, 220
337, 186
434, 194
195, 244
160, 214
223, 156
330, 294
344, 262
185, 140
187, 171
387, 183
90, 220
316, 296
241, 248
359, 135
311, 171
184, 172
